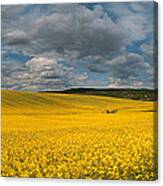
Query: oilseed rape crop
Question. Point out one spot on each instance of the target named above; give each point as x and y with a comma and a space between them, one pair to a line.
71, 136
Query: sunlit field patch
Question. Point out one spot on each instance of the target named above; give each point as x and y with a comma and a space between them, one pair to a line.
73, 136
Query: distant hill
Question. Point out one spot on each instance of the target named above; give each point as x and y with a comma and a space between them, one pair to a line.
37, 103
135, 94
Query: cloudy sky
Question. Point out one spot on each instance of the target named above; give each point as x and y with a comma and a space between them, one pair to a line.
60, 46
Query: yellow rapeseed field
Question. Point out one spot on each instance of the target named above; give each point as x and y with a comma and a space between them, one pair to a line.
72, 136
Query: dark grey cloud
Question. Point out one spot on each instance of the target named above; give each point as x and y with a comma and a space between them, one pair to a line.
17, 37
134, 18
125, 70
89, 32
85, 38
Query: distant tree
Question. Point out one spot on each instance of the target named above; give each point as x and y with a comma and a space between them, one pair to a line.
107, 111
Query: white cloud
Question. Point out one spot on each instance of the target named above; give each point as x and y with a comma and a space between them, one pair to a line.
40, 74
40, 63
148, 49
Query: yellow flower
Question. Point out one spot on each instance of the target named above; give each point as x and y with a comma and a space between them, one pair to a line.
70, 136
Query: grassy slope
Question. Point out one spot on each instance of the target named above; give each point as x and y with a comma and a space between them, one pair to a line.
14, 102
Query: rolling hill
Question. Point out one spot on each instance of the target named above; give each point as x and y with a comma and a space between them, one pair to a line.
17, 102
60, 135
